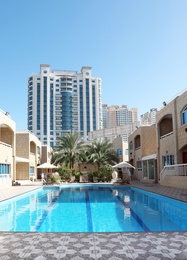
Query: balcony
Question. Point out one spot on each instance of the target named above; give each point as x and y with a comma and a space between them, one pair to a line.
5, 144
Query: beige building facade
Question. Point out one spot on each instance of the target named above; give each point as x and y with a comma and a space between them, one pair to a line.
142, 152
163, 146
121, 148
7, 149
28, 155
20, 153
172, 140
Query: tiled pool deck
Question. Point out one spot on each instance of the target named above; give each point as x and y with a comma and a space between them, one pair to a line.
47, 246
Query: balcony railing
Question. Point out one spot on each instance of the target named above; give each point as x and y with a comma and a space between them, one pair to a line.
163, 136
173, 170
5, 144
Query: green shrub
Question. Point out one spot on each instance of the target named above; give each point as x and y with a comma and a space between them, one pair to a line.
64, 173
90, 176
53, 179
105, 173
77, 176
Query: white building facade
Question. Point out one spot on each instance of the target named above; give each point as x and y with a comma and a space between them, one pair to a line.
63, 101
149, 117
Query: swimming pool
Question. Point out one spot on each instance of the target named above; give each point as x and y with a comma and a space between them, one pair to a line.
92, 208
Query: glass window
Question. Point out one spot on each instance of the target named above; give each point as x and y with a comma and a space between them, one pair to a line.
118, 151
168, 160
31, 171
145, 173
4, 169
139, 165
184, 116
38, 150
131, 146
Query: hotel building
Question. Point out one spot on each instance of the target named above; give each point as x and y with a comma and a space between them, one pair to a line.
63, 101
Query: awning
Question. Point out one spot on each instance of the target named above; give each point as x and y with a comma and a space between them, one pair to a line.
149, 157
20, 159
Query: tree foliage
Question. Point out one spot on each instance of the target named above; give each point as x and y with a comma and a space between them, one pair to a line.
101, 153
72, 150
68, 150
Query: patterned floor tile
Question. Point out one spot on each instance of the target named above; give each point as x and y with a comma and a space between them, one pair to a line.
157, 251
101, 253
122, 253
78, 246
10, 256
108, 242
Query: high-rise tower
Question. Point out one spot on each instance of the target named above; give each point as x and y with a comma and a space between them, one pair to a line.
114, 115
63, 101
149, 117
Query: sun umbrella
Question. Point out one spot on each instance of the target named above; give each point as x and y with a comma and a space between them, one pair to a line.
46, 166
123, 165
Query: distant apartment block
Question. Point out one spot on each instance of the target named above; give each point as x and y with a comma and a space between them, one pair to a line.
149, 117
114, 116
63, 101
104, 115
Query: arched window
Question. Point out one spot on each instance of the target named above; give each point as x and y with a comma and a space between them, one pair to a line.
184, 116
137, 142
166, 125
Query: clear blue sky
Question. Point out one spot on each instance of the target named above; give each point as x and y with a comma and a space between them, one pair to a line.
137, 47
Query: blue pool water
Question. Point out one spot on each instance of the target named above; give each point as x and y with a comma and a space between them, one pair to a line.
92, 208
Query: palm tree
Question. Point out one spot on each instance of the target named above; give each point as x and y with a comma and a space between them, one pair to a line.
68, 150
101, 153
